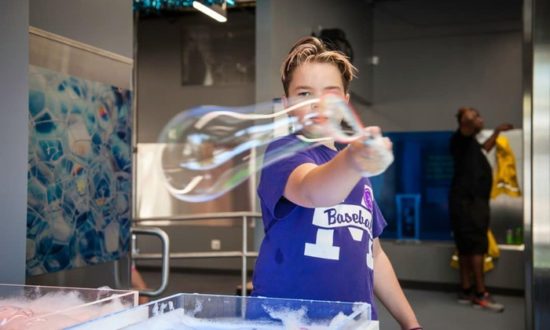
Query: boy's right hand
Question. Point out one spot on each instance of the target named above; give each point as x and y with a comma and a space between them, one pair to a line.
371, 154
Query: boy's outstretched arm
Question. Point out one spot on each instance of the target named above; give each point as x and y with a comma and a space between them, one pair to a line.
388, 290
311, 185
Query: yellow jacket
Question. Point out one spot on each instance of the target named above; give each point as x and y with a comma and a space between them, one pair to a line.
505, 180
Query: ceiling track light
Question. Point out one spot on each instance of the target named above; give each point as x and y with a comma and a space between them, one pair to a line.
217, 12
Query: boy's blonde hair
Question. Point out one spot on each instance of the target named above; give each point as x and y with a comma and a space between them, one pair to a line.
313, 50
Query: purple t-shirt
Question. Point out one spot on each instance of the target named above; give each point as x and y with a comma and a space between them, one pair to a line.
320, 253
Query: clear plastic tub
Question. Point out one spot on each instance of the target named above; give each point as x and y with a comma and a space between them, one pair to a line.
46, 307
199, 311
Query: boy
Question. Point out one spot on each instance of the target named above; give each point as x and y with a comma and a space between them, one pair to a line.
321, 220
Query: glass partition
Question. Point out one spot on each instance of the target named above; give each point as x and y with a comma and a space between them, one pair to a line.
44, 307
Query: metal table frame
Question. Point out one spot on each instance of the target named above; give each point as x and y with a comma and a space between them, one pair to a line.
244, 254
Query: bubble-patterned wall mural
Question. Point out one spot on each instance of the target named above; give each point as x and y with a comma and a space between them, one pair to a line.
79, 175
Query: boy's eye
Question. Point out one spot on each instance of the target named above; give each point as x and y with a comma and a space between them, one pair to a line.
304, 94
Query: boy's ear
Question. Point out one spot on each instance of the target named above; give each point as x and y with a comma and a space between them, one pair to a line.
347, 97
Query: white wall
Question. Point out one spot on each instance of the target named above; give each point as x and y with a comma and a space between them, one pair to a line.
438, 56
161, 94
279, 24
435, 56
105, 24
14, 47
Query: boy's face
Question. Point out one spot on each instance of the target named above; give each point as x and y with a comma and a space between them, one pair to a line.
313, 80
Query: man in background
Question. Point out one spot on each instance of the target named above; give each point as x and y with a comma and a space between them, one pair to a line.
469, 205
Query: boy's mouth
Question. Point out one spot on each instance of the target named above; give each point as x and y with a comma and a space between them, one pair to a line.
316, 119
319, 119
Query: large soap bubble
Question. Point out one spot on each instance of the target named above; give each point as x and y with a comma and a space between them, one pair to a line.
209, 150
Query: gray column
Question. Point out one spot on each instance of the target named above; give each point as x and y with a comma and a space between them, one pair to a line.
14, 43
537, 162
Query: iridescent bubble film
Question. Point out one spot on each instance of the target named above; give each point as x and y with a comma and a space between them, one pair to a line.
209, 150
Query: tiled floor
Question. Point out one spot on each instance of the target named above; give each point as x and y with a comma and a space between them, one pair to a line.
435, 309
439, 310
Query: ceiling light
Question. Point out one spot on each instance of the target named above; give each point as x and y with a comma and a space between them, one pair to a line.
215, 11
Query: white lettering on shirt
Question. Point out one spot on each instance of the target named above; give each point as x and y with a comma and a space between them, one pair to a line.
357, 218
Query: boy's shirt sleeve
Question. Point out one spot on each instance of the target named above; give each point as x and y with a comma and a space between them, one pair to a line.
274, 178
379, 222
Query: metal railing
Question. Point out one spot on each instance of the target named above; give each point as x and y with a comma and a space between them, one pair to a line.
164, 256
244, 254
